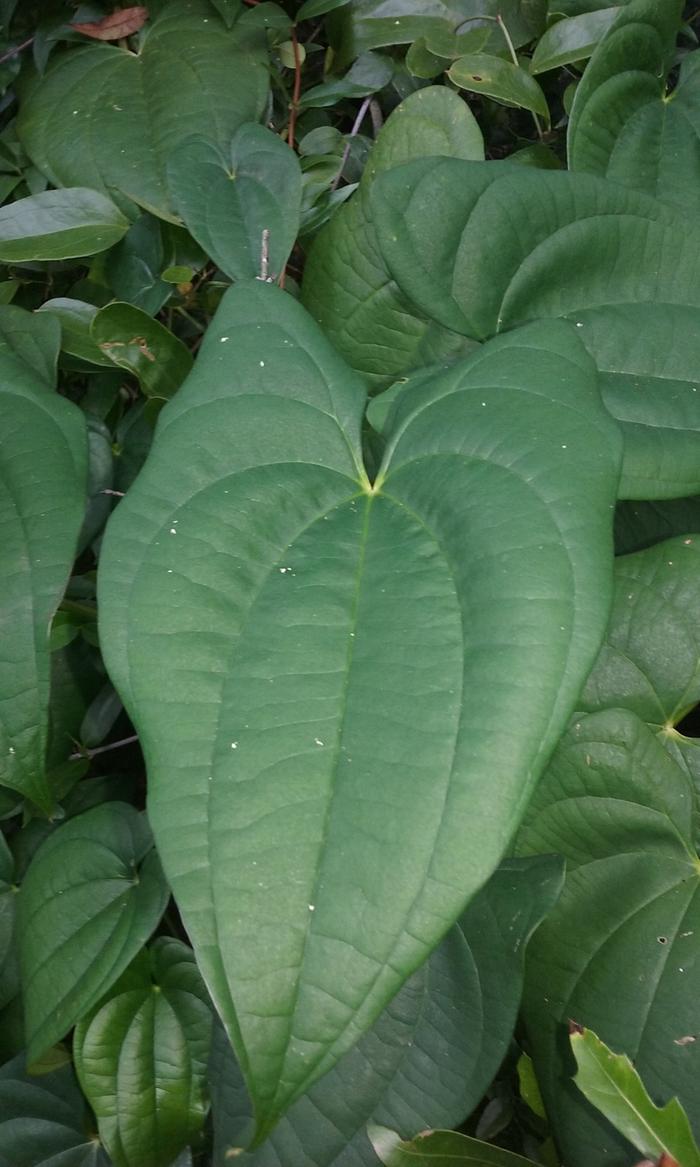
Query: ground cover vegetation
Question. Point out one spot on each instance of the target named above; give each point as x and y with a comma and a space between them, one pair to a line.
350, 605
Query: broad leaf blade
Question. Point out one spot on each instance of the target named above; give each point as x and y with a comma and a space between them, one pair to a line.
228, 200
623, 124
254, 534
190, 76
91, 898
141, 1058
571, 39
448, 237
611, 1083
428, 1058
59, 224
40, 517
347, 286
502, 80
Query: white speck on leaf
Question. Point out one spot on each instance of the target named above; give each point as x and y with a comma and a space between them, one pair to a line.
318, 741
223, 338
234, 745
312, 907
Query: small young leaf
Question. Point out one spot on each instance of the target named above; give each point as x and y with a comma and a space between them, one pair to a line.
59, 224
610, 1082
228, 202
502, 80
135, 341
142, 1056
437, 1148
92, 896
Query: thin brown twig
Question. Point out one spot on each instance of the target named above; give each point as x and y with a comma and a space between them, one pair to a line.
19, 49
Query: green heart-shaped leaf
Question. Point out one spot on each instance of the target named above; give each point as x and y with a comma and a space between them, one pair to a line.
228, 200
326, 673
141, 1057
92, 896
482, 248
108, 118
59, 224
347, 286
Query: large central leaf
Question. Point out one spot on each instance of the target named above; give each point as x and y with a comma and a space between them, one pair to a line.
345, 690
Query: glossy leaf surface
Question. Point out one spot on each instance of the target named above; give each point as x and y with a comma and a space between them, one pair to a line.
141, 1058
228, 199
612, 1084
40, 519
448, 236
507, 82
429, 1056
571, 39
108, 118
90, 899
59, 224
260, 604
347, 286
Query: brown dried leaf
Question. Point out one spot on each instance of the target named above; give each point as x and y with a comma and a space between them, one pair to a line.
119, 24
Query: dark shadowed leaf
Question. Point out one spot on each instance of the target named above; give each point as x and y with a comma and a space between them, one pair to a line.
132, 339
124, 22
92, 896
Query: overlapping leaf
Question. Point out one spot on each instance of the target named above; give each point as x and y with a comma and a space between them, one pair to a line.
619, 953
483, 248
40, 519
142, 1055
91, 898
347, 286
44, 1121
295, 644
59, 224
437, 1148
624, 124
431, 1053
107, 118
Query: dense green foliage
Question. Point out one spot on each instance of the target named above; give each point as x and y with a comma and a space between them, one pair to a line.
350, 607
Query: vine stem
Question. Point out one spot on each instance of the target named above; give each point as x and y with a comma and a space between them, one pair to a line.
125, 741
20, 49
354, 131
514, 57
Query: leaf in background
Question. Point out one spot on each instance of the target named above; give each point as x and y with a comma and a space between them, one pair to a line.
435, 1148
347, 287
572, 39
125, 22
254, 534
227, 201
369, 74
650, 661
90, 899
133, 340
44, 1120
642, 524
610, 1082
59, 224
134, 267
151, 101
40, 519
448, 236
619, 951
624, 124
100, 481
430, 1055
75, 318
502, 80
141, 1057
371, 24
313, 8
9, 969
